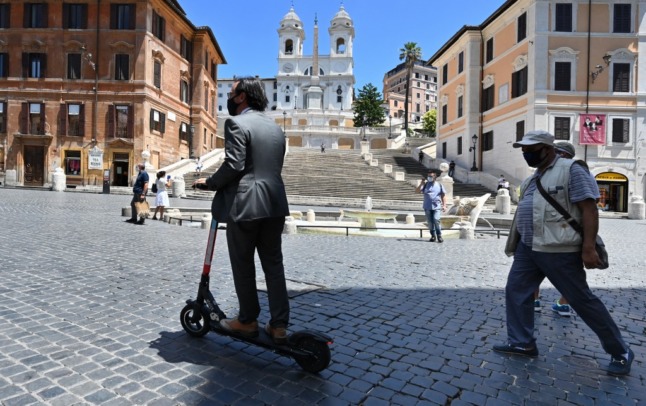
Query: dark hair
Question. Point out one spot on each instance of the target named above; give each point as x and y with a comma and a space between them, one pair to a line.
252, 87
161, 174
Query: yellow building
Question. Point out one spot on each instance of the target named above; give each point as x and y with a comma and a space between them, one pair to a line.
571, 68
87, 86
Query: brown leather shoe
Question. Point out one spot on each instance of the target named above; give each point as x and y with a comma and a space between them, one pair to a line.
278, 334
237, 327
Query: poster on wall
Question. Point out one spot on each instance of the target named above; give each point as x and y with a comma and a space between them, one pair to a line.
95, 159
592, 129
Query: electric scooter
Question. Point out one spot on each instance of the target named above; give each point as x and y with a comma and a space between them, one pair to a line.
310, 349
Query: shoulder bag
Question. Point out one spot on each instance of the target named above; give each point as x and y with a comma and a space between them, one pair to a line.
599, 245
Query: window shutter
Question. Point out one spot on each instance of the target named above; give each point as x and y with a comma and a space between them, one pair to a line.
25, 16
82, 120
562, 74
131, 22
131, 122
621, 77
84, 17
43, 65
24, 118
113, 16
111, 118
62, 119
44, 16
162, 119
152, 119
162, 34
25, 64
42, 119
66, 15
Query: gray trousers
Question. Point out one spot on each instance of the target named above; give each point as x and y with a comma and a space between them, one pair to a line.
243, 239
565, 271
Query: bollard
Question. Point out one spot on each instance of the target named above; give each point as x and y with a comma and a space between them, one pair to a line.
410, 219
311, 216
636, 208
290, 226
503, 202
179, 187
59, 180
126, 211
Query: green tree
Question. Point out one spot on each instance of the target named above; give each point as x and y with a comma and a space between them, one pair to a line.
410, 53
429, 122
367, 107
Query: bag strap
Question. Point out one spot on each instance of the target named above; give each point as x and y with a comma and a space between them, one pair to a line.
570, 220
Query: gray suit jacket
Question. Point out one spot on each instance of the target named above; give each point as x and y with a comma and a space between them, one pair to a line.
249, 185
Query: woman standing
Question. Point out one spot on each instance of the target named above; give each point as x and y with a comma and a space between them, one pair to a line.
161, 201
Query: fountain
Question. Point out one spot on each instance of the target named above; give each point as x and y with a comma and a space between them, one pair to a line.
368, 218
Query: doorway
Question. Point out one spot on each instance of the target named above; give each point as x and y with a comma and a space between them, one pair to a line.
613, 189
34, 165
120, 165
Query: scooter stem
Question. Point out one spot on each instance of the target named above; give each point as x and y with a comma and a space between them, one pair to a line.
210, 247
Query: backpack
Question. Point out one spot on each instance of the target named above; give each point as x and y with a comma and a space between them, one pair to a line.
154, 187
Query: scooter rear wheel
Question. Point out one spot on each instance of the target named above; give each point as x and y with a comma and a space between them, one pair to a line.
196, 325
319, 357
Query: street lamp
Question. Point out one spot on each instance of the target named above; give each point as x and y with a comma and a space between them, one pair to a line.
284, 118
295, 102
473, 148
88, 58
363, 127
390, 126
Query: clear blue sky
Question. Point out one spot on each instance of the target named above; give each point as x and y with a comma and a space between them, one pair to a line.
246, 30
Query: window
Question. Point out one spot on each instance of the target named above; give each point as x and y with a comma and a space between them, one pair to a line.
620, 130
75, 120
444, 150
3, 117
34, 65
122, 67
74, 66
36, 119
519, 83
459, 145
487, 98
183, 91
340, 46
214, 70
159, 26
417, 108
72, 162
562, 76
183, 132
444, 114
339, 99
35, 15
621, 77
460, 62
157, 74
521, 27
5, 15
186, 48
520, 130
123, 120
621, 19
122, 16
157, 121
289, 47
445, 74
287, 99
487, 141
206, 99
74, 16
563, 21
460, 102
4, 65
489, 51
562, 128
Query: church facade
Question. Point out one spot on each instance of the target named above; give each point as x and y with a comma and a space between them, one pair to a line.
311, 96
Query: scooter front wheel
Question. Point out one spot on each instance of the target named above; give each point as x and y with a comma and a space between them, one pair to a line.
194, 323
318, 357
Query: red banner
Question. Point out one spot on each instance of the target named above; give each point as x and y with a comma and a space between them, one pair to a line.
592, 129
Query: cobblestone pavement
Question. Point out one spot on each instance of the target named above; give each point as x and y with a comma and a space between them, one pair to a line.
89, 314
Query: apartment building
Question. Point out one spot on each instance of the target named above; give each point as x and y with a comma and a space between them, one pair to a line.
571, 68
423, 91
88, 86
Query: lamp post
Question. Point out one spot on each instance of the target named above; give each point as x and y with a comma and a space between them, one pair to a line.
363, 127
284, 118
473, 148
88, 57
390, 126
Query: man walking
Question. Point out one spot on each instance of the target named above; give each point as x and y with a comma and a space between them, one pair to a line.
139, 194
434, 204
543, 245
250, 198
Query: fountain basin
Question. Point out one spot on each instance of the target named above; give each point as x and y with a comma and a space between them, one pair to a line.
368, 219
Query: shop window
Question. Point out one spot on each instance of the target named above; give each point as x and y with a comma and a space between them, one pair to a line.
72, 162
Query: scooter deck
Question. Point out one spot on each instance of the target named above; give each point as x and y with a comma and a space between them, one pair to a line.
262, 339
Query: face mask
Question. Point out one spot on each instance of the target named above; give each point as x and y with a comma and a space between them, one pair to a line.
430, 179
535, 158
232, 106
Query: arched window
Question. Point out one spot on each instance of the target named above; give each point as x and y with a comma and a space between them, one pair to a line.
340, 46
289, 47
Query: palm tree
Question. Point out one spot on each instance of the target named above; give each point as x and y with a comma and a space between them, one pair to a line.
411, 53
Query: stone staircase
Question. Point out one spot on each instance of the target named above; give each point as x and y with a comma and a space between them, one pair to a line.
343, 178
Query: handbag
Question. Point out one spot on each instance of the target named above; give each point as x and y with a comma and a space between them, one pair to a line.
599, 245
143, 209
154, 189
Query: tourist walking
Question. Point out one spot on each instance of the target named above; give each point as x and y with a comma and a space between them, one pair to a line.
139, 191
553, 249
161, 200
451, 169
